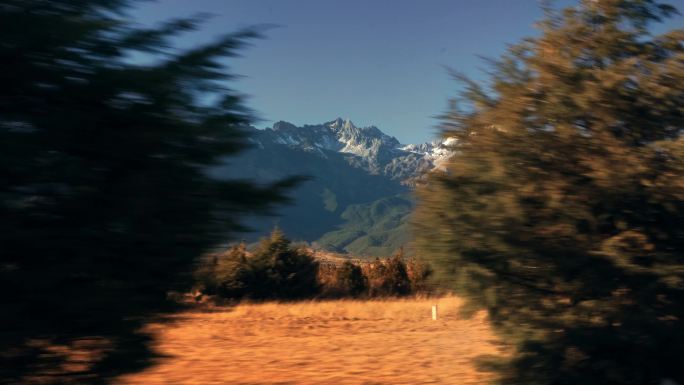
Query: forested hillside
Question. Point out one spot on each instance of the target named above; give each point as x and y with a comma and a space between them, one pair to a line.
358, 192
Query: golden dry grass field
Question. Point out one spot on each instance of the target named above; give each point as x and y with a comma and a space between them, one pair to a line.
322, 342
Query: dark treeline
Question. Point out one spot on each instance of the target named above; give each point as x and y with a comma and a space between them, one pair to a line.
277, 269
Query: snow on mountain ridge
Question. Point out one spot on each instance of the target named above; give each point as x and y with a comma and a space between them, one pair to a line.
434, 150
364, 147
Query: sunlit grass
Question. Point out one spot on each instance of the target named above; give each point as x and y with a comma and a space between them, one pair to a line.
391, 341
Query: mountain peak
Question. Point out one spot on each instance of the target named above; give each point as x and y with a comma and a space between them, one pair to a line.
283, 125
339, 124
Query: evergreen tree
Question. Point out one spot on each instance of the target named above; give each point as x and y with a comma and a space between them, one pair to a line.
562, 214
349, 280
419, 273
105, 200
281, 270
388, 277
230, 274
396, 277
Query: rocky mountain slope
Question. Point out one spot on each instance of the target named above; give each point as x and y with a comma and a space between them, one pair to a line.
358, 195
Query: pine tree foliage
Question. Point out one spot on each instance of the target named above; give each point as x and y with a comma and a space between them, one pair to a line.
388, 277
562, 214
282, 270
106, 132
275, 270
228, 275
349, 280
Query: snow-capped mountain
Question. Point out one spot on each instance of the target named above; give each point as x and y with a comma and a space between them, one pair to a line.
436, 150
338, 135
358, 196
364, 147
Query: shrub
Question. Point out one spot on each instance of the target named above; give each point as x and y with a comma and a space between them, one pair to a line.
350, 279
282, 270
419, 272
344, 280
227, 274
275, 270
388, 277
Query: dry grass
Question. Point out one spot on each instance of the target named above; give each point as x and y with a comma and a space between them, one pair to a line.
327, 342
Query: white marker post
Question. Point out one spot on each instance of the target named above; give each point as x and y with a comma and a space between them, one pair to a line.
434, 312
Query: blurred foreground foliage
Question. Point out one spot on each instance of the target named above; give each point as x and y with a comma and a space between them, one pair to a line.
562, 213
106, 132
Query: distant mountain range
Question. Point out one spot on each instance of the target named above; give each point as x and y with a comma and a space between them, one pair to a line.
358, 197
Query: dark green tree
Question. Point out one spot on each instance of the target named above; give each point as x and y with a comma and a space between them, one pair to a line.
388, 277
419, 273
280, 270
396, 277
562, 214
275, 270
228, 274
349, 280
106, 135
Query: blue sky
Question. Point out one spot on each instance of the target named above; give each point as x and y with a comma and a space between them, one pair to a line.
376, 62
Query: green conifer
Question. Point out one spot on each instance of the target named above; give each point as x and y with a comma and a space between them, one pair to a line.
106, 136
562, 214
